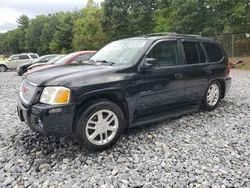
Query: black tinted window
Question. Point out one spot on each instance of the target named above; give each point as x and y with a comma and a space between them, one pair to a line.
191, 53
213, 51
166, 53
201, 53
23, 57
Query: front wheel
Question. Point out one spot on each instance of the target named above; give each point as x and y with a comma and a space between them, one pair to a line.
3, 68
99, 126
212, 96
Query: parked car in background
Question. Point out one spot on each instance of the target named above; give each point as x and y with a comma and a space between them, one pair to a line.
52, 61
15, 60
75, 57
21, 69
128, 83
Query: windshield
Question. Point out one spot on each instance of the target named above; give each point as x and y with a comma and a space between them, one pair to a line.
55, 59
65, 59
120, 52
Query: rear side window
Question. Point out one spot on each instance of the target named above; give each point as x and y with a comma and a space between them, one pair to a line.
23, 57
34, 56
201, 53
191, 52
213, 50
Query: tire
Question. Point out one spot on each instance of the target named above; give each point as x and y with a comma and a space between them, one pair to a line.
214, 91
3, 68
20, 73
96, 134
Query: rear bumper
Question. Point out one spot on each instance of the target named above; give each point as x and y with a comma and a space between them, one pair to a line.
48, 119
228, 82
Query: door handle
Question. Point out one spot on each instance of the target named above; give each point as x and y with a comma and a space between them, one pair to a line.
209, 71
178, 75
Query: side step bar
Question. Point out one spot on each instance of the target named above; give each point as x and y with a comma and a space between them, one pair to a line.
164, 116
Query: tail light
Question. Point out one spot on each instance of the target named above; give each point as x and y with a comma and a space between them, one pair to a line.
229, 66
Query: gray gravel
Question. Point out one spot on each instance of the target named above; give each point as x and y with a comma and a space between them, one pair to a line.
204, 149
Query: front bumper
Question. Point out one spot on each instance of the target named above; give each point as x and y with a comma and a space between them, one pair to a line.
48, 119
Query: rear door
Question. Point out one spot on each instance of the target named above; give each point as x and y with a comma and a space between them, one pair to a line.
196, 72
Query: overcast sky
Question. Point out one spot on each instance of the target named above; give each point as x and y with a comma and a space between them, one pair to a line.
10, 10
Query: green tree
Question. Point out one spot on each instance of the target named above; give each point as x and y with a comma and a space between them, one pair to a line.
126, 18
62, 38
33, 34
23, 22
87, 32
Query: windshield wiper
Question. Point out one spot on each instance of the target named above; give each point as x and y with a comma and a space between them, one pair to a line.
105, 62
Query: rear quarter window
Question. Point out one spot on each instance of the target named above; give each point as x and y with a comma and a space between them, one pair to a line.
214, 52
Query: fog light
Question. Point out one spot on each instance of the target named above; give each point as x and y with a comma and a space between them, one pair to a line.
40, 123
55, 110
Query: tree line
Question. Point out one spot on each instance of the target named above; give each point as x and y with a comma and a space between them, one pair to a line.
94, 26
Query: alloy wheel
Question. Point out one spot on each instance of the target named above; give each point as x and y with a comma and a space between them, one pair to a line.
102, 127
213, 95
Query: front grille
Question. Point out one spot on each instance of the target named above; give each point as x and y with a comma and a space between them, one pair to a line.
27, 92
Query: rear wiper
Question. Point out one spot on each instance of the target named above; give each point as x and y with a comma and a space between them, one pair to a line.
106, 62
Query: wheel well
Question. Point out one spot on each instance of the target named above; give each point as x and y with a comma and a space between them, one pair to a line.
4, 65
116, 98
222, 84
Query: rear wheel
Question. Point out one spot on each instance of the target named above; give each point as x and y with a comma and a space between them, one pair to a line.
99, 126
3, 68
212, 96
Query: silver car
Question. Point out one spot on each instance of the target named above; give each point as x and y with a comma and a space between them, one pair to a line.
15, 60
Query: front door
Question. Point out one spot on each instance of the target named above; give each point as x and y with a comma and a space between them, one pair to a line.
165, 84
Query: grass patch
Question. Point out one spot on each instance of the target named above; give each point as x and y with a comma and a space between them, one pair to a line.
244, 66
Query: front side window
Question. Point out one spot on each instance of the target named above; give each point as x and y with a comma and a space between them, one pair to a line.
166, 53
13, 58
191, 52
120, 52
214, 52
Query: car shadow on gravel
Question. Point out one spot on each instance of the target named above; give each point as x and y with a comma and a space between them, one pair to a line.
50, 148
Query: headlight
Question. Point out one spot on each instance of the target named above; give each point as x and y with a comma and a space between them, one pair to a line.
55, 95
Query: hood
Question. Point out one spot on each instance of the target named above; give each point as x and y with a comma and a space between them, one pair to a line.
25, 64
39, 68
37, 65
67, 75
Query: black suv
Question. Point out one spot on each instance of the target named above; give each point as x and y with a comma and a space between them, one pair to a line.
127, 83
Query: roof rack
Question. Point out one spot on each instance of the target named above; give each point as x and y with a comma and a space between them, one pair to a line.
170, 34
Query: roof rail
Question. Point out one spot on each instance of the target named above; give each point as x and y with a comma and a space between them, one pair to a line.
161, 34
171, 34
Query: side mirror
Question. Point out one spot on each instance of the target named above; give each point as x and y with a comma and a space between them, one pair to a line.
149, 63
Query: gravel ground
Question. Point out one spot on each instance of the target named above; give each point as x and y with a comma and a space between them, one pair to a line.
204, 149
